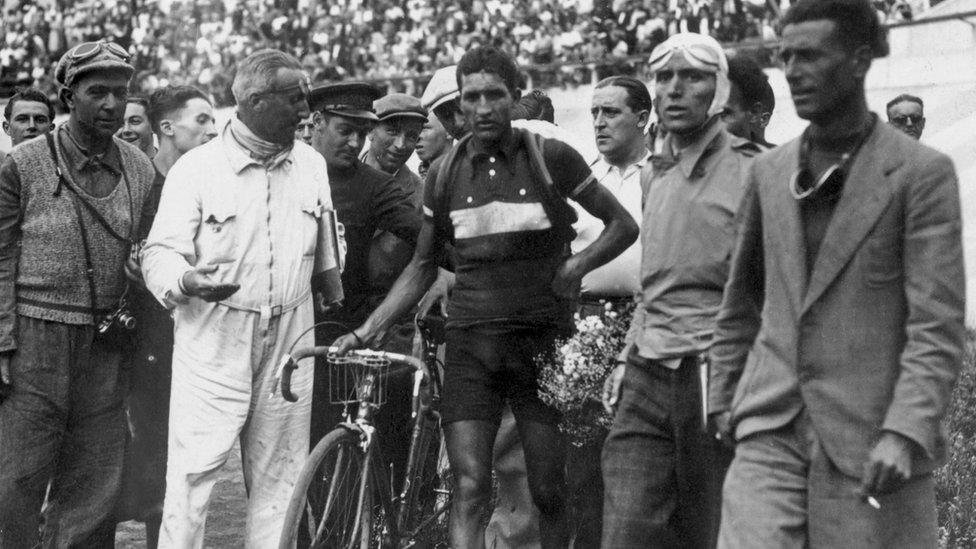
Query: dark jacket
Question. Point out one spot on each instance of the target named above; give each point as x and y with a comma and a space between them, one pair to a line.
366, 200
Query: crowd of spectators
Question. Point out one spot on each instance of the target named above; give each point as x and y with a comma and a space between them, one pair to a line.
199, 42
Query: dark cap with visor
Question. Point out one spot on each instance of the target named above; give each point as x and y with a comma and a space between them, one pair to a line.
349, 99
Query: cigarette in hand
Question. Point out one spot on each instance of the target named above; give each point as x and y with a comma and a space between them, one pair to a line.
870, 500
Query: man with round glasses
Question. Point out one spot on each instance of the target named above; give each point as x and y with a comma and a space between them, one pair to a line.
841, 331
232, 250
70, 206
906, 112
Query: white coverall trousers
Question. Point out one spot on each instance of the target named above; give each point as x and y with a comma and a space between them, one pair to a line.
211, 406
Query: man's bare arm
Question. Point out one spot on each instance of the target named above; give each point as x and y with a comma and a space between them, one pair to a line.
409, 287
619, 232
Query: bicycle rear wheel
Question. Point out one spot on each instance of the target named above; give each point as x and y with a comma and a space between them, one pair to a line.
332, 503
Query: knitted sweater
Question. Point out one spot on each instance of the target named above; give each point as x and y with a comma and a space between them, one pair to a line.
51, 283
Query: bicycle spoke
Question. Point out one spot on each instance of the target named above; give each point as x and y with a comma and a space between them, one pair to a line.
327, 509
339, 476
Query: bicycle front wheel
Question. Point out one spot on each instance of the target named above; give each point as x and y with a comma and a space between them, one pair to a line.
331, 506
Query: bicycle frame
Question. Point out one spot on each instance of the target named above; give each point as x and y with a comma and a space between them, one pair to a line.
426, 422
397, 509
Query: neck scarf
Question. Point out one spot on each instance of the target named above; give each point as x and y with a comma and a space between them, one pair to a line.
269, 154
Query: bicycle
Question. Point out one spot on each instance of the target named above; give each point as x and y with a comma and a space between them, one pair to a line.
344, 498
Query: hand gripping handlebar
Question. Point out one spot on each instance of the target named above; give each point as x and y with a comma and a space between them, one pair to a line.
289, 363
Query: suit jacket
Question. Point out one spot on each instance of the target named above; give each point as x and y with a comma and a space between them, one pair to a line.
872, 339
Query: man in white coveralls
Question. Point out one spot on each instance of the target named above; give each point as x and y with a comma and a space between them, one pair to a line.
232, 250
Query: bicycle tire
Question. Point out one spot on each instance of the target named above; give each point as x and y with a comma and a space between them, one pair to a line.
337, 467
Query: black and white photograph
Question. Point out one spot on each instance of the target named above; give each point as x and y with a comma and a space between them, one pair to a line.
487, 274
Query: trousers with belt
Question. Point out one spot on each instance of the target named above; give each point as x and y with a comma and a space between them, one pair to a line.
224, 364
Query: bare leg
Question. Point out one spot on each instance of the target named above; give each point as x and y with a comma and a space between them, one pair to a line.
545, 461
469, 448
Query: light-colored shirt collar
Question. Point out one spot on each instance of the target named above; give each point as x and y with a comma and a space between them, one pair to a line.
601, 167
81, 159
689, 157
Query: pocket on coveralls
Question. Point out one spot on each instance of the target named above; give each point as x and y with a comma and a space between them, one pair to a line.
218, 235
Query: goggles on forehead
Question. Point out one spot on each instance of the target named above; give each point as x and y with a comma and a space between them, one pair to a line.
304, 85
88, 50
702, 55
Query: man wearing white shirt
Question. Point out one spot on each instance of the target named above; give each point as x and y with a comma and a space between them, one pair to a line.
621, 110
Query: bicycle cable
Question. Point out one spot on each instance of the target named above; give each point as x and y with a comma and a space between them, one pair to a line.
314, 326
392, 370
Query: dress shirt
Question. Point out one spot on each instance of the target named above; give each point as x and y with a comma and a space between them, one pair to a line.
687, 235
621, 276
98, 174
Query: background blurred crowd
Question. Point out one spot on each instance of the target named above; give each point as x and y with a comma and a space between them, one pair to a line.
199, 42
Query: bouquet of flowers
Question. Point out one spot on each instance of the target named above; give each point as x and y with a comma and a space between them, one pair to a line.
571, 375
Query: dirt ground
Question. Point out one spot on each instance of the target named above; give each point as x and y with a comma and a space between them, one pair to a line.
225, 521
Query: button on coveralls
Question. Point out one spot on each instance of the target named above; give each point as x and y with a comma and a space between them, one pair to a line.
259, 226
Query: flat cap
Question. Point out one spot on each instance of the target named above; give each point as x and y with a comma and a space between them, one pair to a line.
90, 57
399, 105
442, 88
350, 99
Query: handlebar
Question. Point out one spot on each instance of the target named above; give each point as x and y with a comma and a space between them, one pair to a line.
289, 363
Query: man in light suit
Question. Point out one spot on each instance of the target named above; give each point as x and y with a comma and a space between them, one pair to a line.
841, 330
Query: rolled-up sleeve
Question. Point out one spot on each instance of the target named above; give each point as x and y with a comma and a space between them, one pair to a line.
10, 216
169, 251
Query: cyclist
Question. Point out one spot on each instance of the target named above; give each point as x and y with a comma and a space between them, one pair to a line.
515, 291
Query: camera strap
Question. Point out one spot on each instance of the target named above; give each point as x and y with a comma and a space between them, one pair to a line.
89, 269
76, 200
64, 182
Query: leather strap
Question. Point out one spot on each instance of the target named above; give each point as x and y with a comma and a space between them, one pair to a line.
64, 182
77, 201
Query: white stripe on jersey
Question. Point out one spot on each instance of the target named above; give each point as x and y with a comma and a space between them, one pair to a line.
499, 217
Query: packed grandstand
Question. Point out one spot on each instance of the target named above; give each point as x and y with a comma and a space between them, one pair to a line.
398, 42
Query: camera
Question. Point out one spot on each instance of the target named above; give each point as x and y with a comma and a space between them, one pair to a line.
120, 318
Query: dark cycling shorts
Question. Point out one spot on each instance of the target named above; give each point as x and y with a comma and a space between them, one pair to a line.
483, 369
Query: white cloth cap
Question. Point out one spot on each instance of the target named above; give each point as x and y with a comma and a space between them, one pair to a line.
441, 88
704, 53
